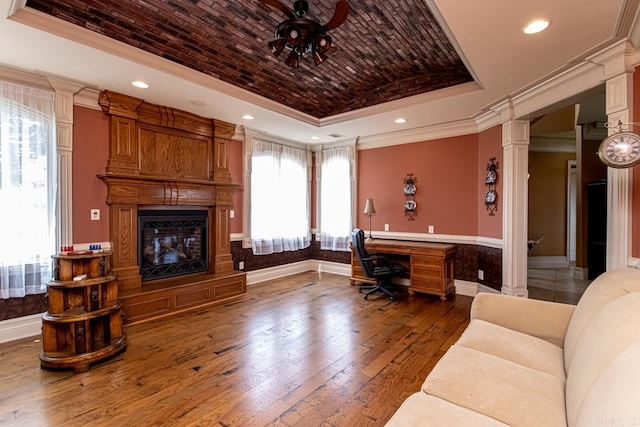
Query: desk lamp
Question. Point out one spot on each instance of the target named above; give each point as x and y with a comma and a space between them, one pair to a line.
369, 209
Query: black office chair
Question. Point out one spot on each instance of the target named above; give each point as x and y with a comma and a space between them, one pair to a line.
374, 266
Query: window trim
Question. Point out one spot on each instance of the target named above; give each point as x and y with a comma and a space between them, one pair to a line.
353, 160
249, 135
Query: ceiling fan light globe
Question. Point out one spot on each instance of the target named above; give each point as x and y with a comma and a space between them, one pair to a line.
293, 60
277, 46
292, 36
325, 43
318, 57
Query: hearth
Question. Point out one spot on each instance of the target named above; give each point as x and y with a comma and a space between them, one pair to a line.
172, 243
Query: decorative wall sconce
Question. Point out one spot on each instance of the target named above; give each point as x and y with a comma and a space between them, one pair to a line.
409, 192
490, 180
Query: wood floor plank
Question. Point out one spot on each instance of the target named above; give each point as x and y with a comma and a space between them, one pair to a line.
306, 350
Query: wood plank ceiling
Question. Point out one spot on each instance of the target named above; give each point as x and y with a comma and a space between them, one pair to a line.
384, 51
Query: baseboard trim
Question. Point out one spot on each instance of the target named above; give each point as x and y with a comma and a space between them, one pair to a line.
331, 267
547, 262
466, 288
633, 262
486, 289
580, 273
279, 271
21, 327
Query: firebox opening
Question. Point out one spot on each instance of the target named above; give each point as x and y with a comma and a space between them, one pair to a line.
172, 243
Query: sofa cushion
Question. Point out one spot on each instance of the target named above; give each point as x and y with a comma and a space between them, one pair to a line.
614, 398
496, 387
514, 346
542, 319
612, 330
601, 291
421, 409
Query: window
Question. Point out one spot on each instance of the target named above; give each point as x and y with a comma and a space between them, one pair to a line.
27, 189
279, 198
336, 198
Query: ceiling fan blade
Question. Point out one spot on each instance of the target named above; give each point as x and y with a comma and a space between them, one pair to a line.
276, 4
340, 15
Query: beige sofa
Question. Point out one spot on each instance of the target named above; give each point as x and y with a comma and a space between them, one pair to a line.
523, 362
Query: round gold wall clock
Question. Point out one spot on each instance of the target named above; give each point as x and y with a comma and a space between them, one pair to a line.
620, 150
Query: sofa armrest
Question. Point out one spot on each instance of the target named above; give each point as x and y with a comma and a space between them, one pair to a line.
542, 319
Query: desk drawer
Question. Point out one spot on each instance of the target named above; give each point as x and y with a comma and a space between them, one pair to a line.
427, 278
427, 261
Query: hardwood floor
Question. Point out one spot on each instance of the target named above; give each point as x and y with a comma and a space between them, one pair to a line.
307, 350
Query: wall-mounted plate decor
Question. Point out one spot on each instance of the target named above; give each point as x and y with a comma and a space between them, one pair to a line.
490, 180
409, 192
410, 188
491, 177
490, 197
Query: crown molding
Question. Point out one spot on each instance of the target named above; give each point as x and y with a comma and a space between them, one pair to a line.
398, 104
87, 98
426, 133
24, 77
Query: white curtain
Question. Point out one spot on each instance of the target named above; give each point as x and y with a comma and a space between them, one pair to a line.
335, 199
279, 198
27, 189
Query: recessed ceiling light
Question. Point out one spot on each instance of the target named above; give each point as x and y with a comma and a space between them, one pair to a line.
315, 137
140, 84
536, 26
247, 117
400, 121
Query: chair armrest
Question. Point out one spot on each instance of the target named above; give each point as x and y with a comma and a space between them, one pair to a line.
377, 257
542, 319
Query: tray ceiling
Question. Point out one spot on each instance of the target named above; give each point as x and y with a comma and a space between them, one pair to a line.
384, 51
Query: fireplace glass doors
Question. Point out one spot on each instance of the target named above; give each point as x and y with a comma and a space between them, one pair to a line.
172, 243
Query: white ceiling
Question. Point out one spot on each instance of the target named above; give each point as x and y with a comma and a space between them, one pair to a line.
487, 33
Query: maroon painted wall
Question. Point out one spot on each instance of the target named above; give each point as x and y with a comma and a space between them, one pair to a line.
90, 154
447, 185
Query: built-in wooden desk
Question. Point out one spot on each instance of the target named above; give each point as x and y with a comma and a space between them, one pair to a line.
430, 265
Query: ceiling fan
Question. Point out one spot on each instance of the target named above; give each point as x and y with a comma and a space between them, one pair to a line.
301, 35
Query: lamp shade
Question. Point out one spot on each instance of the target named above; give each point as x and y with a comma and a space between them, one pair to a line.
369, 209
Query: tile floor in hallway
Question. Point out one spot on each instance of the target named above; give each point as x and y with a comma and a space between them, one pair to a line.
555, 284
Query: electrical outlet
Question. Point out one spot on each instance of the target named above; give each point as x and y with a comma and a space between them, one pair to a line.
431, 229
480, 275
241, 265
95, 214
386, 227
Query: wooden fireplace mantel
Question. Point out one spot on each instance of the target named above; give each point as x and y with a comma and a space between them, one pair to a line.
159, 158
158, 190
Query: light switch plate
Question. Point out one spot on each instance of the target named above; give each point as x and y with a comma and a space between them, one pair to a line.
95, 214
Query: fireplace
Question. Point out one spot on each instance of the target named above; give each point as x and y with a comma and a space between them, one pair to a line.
169, 192
172, 243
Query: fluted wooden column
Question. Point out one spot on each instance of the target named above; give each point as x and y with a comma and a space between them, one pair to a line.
619, 97
515, 164
64, 91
